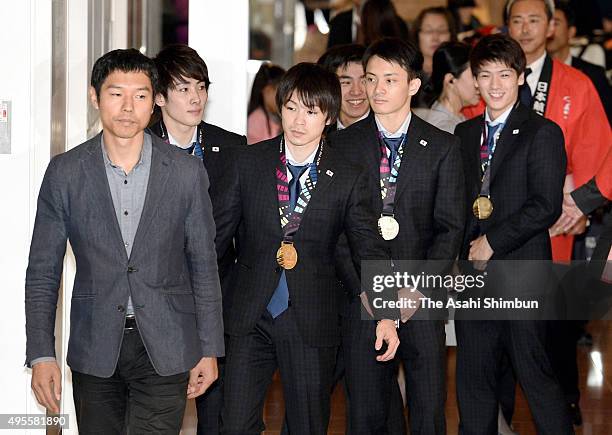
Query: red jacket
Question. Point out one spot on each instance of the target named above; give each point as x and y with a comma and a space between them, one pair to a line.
573, 103
603, 179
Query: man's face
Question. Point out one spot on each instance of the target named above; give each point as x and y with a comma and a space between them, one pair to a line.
388, 88
302, 126
528, 24
562, 33
499, 86
354, 98
125, 103
185, 102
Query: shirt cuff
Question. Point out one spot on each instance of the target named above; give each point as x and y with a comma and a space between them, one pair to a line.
41, 359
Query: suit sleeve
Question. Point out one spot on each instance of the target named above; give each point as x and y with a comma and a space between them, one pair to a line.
449, 208
598, 190
200, 251
546, 175
228, 207
45, 266
366, 245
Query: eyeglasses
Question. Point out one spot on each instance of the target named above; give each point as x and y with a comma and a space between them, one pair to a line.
430, 32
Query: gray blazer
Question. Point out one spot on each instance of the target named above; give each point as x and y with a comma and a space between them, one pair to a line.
171, 274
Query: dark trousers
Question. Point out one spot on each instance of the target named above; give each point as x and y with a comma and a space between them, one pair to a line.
209, 405
481, 346
374, 401
306, 375
135, 398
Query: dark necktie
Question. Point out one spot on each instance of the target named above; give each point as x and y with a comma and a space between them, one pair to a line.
393, 143
487, 148
525, 91
196, 149
294, 184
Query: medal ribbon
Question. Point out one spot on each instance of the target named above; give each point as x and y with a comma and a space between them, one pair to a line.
485, 189
291, 219
388, 175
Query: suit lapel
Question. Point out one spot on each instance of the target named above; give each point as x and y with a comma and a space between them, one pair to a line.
93, 167
414, 152
505, 144
158, 177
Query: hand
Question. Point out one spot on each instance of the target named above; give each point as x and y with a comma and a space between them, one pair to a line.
480, 250
386, 331
47, 385
570, 215
202, 376
579, 227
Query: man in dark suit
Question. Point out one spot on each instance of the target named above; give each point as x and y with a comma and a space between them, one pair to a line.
428, 209
183, 92
514, 163
559, 48
286, 205
146, 324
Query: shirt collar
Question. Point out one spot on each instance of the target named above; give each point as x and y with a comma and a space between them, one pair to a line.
402, 130
341, 126
145, 152
292, 161
536, 71
500, 119
173, 141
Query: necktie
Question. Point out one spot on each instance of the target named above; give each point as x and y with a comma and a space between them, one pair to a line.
525, 91
280, 299
487, 148
196, 149
393, 143
294, 184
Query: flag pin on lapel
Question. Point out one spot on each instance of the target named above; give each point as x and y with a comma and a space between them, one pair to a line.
215, 149
330, 173
516, 131
423, 142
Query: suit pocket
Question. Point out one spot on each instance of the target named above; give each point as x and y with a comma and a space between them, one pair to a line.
181, 303
83, 289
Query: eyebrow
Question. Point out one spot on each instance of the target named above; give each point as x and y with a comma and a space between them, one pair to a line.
384, 75
143, 88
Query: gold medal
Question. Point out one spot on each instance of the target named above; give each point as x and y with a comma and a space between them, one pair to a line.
482, 207
286, 256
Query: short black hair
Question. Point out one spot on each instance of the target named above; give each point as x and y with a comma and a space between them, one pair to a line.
315, 86
340, 56
549, 6
568, 11
124, 60
179, 60
498, 48
398, 51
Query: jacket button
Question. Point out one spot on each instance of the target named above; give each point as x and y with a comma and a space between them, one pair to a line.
131, 269
120, 308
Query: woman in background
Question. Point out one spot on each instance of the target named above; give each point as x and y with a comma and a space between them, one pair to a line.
451, 87
379, 19
432, 27
263, 120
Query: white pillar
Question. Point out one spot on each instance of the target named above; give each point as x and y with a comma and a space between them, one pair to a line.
219, 31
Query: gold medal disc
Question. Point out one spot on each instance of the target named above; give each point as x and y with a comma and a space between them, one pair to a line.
286, 256
482, 207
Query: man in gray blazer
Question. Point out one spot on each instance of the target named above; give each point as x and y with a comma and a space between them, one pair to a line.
145, 321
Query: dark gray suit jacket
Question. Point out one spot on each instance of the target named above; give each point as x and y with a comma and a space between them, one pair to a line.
171, 274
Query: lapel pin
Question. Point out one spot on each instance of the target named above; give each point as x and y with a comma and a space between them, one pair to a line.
330, 173
516, 131
423, 142
215, 149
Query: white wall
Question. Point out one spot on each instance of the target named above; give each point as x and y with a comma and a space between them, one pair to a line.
219, 31
25, 79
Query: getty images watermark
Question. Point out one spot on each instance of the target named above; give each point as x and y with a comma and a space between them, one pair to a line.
496, 290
